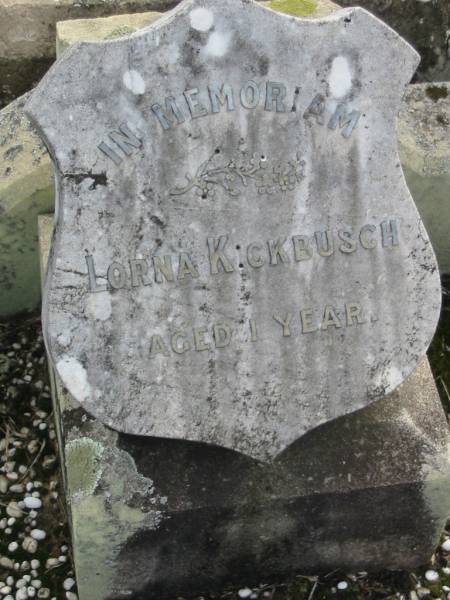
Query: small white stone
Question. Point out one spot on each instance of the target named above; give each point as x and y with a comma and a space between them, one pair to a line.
68, 583
446, 546
432, 576
35, 563
245, 593
43, 593
11, 521
27, 578
6, 562
342, 585
13, 510
5, 590
51, 562
30, 545
12, 547
446, 570
38, 534
10, 580
21, 583
31, 502
36, 583
445, 588
22, 594
31, 592
3, 484
71, 596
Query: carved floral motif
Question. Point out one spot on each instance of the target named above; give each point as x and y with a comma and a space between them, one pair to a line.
268, 177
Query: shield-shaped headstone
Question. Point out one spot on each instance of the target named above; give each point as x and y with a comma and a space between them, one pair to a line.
237, 258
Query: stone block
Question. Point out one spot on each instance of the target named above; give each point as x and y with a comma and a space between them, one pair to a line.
26, 190
27, 35
106, 28
424, 145
176, 517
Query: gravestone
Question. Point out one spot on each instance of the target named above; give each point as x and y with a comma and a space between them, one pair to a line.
238, 262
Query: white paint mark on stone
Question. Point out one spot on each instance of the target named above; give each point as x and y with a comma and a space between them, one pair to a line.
64, 339
394, 378
202, 19
173, 54
134, 82
340, 79
74, 377
99, 306
218, 43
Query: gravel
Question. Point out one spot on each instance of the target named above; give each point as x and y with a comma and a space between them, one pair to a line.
33, 524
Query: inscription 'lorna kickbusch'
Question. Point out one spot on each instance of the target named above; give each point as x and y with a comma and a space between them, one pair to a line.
296, 249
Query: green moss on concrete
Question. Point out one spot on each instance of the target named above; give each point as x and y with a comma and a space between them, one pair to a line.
296, 8
119, 32
436, 92
26, 191
84, 469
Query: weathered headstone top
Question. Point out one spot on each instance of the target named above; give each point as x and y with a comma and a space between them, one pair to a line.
237, 258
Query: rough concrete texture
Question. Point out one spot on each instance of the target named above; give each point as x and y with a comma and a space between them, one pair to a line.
26, 190
106, 28
27, 35
424, 24
155, 518
424, 145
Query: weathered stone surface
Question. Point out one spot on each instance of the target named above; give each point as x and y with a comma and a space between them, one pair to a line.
369, 490
424, 145
26, 190
205, 357
27, 35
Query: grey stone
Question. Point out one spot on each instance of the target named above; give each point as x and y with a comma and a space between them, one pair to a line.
424, 146
151, 356
27, 35
26, 190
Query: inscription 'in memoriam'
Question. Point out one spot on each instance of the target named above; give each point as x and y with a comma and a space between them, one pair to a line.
237, 258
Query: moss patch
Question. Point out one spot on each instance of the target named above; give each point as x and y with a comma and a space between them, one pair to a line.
84, 471
119, 32
296, 8
436, 92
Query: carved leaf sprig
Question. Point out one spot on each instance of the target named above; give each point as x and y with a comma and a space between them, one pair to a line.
268, 178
